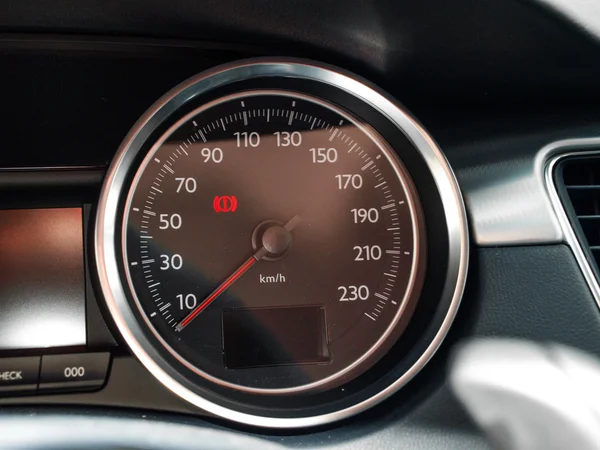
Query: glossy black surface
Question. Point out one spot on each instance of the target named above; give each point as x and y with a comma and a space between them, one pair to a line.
42, 285
248, 336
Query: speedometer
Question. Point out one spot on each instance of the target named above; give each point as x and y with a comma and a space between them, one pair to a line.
274, 242
265, 245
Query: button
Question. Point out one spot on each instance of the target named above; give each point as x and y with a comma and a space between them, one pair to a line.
79, 371
19, 374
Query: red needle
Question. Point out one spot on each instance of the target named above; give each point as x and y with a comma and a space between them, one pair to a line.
260, 254
217, 292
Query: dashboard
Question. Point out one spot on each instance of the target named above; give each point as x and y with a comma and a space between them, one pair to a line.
279, 222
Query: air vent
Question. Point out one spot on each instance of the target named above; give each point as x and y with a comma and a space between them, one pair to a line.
578, 185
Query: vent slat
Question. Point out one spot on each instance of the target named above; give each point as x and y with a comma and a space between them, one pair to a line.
581, 182
586, 202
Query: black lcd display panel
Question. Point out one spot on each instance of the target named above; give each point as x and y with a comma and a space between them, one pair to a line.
262, 337
42, 285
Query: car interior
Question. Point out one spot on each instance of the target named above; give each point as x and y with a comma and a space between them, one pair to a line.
358, 224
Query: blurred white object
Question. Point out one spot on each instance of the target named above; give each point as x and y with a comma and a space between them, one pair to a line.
528, 396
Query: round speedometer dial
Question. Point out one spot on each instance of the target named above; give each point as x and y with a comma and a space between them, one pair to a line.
280, 243
274, 242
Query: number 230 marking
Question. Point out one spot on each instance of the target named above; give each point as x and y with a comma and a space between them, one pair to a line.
352, 293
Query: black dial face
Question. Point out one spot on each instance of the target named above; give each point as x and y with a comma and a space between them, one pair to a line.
273, 243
